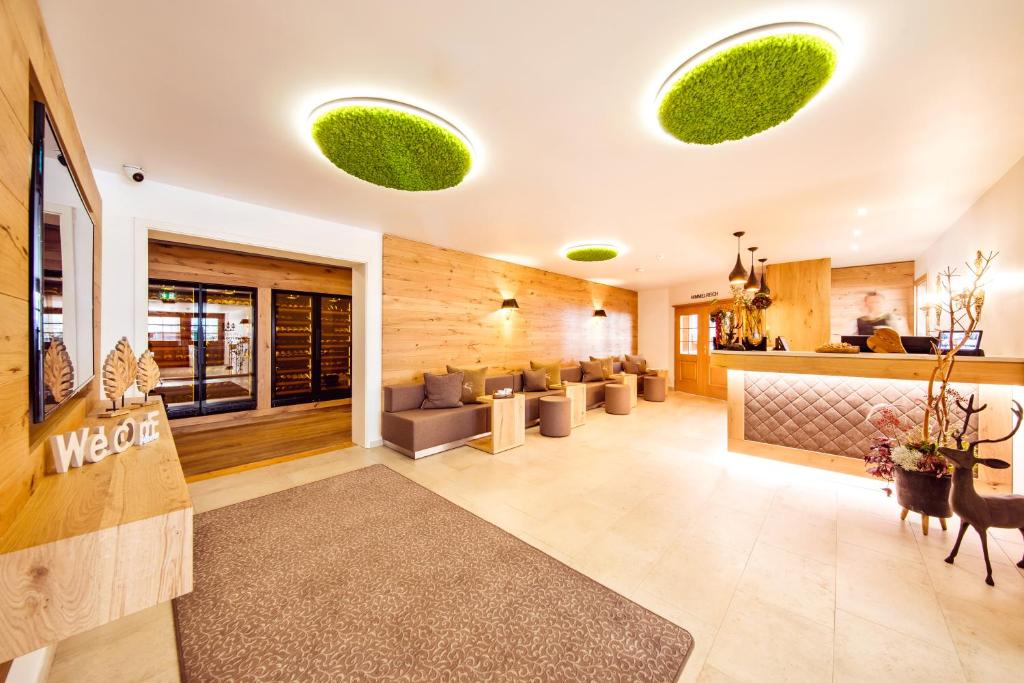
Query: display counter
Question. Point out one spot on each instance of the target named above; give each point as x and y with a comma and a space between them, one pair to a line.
811, 408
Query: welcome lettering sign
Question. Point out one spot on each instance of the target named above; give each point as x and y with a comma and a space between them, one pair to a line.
85, 445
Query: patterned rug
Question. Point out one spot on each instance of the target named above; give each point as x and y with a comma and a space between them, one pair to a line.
368, 576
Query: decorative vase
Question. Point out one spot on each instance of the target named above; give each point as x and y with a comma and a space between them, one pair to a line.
923, 493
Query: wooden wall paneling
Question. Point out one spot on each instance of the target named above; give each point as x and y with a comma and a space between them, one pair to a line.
28, 71
895, 281
198, 264
442, 306
801, 311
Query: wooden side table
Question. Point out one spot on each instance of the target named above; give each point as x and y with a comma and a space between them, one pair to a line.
576, 392
508, 424
629, 380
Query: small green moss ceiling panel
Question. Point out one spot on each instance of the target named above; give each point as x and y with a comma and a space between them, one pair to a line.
591, 252
747, 88
391, 147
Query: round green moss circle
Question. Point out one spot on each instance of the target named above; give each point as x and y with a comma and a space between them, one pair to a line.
591, 253
747, 89
392, 148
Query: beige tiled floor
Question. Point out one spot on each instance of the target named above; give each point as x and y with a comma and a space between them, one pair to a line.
779, 572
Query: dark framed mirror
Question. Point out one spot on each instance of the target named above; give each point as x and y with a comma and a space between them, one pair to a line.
61, 238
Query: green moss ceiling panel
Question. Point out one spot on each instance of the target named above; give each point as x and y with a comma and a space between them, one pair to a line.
747, 88
392, 147
591, 252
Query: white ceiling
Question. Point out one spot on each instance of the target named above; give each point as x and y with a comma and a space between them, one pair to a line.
558, 96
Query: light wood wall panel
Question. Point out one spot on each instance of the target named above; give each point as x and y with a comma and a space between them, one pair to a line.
894, 281
442, 306
28, 71
802, 293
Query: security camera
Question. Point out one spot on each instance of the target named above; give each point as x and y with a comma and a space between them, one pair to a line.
136, 173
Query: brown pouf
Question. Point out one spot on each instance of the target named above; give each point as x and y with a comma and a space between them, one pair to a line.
654, 388
617, 398
554, 416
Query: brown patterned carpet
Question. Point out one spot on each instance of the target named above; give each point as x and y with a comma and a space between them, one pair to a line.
368, 576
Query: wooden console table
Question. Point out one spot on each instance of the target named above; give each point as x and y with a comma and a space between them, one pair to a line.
576, 392
95, 544
508, 424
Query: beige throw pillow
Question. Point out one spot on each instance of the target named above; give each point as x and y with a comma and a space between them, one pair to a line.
606, 366
554, 371
474, 383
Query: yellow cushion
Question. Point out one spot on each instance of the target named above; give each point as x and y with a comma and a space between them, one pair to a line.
606, 366
554, 371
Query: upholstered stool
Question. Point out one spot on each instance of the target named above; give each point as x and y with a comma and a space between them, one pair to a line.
554, 416
617, 398
654, 388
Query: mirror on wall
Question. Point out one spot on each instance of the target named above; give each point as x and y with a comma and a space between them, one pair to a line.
61, 275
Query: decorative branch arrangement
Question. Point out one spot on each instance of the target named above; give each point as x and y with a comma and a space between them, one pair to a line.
119, 369
963, 309
58, 371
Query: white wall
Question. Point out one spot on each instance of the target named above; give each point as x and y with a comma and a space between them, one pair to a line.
994, 223
130, 209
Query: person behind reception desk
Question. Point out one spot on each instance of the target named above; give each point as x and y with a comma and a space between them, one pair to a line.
876, 315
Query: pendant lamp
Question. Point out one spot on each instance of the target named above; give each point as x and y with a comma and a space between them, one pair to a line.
739, 274
764, 278
751, 284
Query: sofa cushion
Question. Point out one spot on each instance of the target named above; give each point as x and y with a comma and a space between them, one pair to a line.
636, 365
535, 380
416, 430
606, 365
492, 384
533, 403
572, 374
595, 393
474, 382
591, 370
442, 391
554, 376
398, 397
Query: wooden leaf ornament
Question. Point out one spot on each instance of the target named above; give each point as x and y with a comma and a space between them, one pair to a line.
58, 371
147, 375
886, 340
119, 370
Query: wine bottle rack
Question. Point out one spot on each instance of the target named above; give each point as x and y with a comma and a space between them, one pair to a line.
312, 347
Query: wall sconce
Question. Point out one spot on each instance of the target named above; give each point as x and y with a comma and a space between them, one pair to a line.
599, 313
509, 305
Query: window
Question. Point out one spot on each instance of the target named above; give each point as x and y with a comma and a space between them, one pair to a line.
688, 329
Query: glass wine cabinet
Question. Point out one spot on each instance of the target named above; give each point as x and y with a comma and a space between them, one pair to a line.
312, 347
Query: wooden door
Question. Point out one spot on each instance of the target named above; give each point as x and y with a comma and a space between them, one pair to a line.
694, 334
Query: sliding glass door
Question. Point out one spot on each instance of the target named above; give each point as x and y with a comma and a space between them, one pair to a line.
204, 340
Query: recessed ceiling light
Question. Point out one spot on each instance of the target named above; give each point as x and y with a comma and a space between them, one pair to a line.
747, 83
391, 144
858, 232
854, 247
661, 257
591, 251
862, 211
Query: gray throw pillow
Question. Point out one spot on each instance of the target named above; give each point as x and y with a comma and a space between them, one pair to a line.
443, 391
535, 380
592, 370
474, 383
641, 364
631, 368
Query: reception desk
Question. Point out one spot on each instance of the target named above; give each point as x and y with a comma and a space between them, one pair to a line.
811, 408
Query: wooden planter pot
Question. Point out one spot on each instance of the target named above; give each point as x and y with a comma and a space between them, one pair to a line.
924, 494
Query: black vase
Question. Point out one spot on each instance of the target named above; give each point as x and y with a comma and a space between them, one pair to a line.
923, 492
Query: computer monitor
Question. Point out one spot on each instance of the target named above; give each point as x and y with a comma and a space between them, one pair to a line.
973, 342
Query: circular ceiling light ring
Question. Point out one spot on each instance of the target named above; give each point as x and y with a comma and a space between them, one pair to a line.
591, 252
391, 144
747, 83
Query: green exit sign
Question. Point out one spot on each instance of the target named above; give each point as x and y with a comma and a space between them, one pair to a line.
167, 295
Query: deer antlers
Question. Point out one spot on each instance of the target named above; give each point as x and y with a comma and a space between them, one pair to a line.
970, 410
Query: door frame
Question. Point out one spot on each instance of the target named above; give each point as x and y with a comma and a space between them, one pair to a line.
705, 386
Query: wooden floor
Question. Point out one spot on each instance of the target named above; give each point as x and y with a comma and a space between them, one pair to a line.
211, 448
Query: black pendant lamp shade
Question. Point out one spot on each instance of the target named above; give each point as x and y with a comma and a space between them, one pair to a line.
739, 274
751, 284
764, 278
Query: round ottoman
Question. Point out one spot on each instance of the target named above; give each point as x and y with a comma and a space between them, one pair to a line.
554, 416
616, 399
654, 388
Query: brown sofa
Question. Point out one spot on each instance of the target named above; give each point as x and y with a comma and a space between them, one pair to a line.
417, 433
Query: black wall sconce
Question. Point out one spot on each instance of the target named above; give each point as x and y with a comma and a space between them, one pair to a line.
599, 313
509, 305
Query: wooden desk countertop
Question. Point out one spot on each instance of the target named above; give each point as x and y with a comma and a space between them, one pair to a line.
981, 370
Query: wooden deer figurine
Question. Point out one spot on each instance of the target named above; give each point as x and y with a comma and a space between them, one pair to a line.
981, 512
